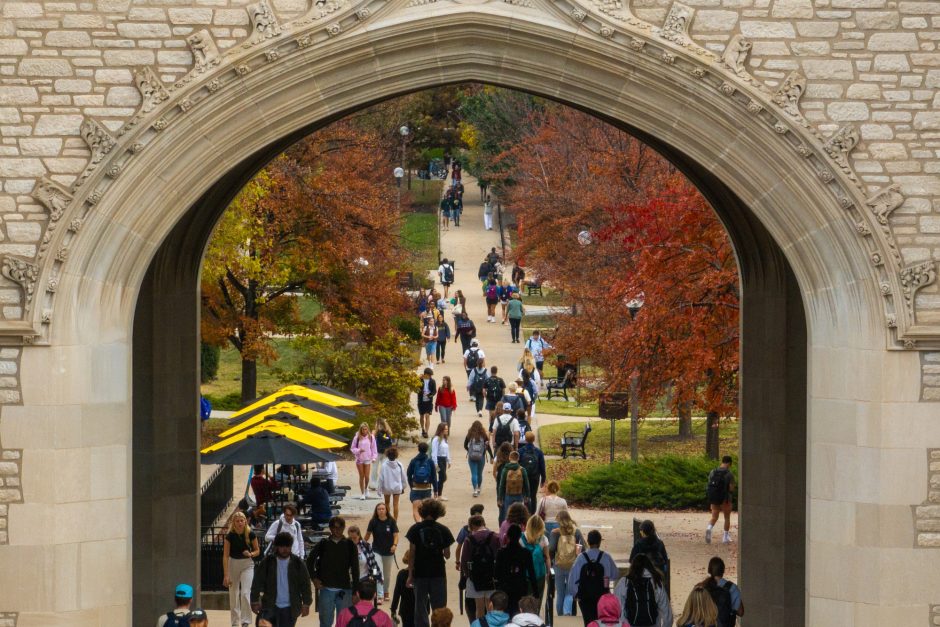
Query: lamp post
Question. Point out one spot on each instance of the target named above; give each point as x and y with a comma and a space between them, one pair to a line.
399, 173
633, 306
404, 131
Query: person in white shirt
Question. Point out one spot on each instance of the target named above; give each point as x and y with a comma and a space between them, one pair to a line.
536, 345
488, 214
505, 428
445, 273
440, 455
473, 357
288, 523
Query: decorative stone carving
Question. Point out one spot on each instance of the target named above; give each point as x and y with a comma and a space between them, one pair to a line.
151, 89
876, 259
891, 321
185, 104
115, 170
787, 97
334, 29
75, 225
136, 148
205, 52
304, 42
636, 44
885, 289
363, 14
727, 89
668, 58
735, 54
214, 85
910, 344
915, 277
827, 176
754, 107
264, 23
862, 229
62, 254
883, 202
842, 143
578, 15
676, 26
323, 8
21, 271
54, 197
698, 72
99, 139
606, 32
272, 55
243, 69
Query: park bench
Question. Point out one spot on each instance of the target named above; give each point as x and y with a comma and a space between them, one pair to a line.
533, 287
559, 385
405, 280
575, 440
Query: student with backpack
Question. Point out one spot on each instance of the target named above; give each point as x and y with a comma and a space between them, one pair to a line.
403, 599
491, 295
532, 461
183, 597
422, 477
333, 564
590, 578
474, 357
565, 542
514, 313
494, 389
476, 385
426, 395
430, 543
477, 445
643, 595
609, 613
478, 565
528, 615
730, 606
505, 428
650, 545
699, 610
446, 275
281, 584
719, 490
514, 570
496, 615
513, 486
535, 542
512, 397
464, 329
363, 613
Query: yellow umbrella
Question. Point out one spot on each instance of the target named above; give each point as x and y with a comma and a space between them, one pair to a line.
313, 417
297, 434
302, 391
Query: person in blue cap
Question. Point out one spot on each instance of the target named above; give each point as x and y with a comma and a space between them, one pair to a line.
184, 598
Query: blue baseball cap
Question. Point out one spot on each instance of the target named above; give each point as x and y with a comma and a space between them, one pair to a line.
184, 591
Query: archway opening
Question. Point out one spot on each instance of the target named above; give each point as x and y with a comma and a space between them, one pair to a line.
773, 388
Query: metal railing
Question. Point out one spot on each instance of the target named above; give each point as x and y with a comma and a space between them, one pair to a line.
216, 495
211, 570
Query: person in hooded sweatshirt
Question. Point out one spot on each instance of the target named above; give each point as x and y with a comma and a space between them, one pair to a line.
496, 615
609, 613
528, 615
643, 596
652, 546
287, 523
515, 573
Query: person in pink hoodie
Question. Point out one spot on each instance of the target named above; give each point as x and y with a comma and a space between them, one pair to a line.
364, 450
609, 613
364, 607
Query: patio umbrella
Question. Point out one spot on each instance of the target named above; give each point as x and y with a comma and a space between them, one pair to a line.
321, 394
288, 412
319, 439
267, 447
280, 397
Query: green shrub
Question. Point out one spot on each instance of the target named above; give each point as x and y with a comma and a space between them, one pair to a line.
409, 327
227, 402
662, 482
209, 362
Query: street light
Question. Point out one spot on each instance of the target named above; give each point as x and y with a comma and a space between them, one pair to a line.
404, 131
634, 305
399, 172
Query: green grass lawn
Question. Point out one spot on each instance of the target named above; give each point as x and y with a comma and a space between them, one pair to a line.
549, 297
426, 193
561, 407
419, 236
225, 391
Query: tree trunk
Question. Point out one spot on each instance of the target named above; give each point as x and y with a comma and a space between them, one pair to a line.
685, 421
711, 435
249, 380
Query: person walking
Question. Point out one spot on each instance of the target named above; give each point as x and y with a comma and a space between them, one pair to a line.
513, 486
281, 584
528, 615
333, 565
505, 428
491, 296
564, 544
464, 329
514, 570
474, 357
609, 613
429, 336
650, 545
384, 440
183, 599
478, 565
369, 569
494, 389
643, 595
590, 577
239, 548
725, 594
476, 385
403, 599
517, 515
445, 212
443, 335
445, 273
286, 523
363, 610
488, 214
537, 345
383, 532
446, 400
719, 491
429, 548
426, 394
699, 610
532, 461
551, 505
456, 208
506, 290
365, 452
440, 454
477, 445
442, 617
422, 477
496, 615
392, 481
514, 312
535, 542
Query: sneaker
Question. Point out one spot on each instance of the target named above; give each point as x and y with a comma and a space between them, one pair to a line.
424, 434
708, 535
362, 497
479, 414
443, 498
726, 539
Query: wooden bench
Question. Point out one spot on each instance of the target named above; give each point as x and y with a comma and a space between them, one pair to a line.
559, 385
575, 440
533, 287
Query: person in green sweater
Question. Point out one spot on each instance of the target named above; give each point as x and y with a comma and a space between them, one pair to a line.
513, 484
515, 311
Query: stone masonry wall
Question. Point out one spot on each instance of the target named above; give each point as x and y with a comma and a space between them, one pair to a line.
930, 376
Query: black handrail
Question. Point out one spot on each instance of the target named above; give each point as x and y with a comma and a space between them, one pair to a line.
216, 495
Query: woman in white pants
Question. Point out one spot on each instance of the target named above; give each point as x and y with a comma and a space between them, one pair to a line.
240, 547
488, 214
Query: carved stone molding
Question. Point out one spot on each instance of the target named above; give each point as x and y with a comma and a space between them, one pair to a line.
883, 202
735, 54
842, 143
787, 97
676, 26
21, 271
915, 277
205, 52
99, 139
152, 90
264, 24
54, 197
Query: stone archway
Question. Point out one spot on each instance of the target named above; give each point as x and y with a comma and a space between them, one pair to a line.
812, 253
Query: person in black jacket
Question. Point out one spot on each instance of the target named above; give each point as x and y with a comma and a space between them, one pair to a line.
514, 571
284, 607
403, 600
334, 567
426, 395
318, 500
650, 545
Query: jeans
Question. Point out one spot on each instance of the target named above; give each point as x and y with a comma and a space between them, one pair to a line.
445, 414
479, 401
465, 342
441, 474
507, 501
476, 473
425, 587
332, 602
441, 348
283, 618
514, 324
561, 590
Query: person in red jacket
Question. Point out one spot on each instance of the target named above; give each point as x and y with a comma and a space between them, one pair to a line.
446, 401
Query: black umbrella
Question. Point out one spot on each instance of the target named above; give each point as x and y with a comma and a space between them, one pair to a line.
266, 447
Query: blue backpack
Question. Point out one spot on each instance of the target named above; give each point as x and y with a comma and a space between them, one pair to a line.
422, 472
538, 558
172, 620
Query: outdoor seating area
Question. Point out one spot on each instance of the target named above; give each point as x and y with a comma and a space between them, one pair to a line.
575, 440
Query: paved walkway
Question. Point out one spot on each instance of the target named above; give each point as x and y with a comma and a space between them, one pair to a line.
682, 532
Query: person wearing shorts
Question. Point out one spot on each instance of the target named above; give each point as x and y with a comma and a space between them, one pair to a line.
476, 540
720, 488
420, 489
426, 395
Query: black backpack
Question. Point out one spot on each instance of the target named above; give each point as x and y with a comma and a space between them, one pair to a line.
172, 620
591, 578
358, 620
494, 387
529, 461
448, 274
503, 431
717, 490
721, 595
639, 603
473, 358
478, 382
482, 563
431, 539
